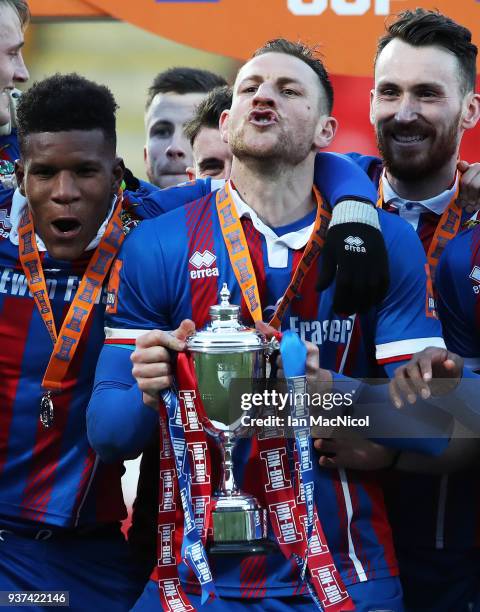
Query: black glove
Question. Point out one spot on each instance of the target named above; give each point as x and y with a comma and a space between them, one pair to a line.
131, 181
355, 256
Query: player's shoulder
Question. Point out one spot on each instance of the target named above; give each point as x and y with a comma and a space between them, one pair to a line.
169, 232
395, 228
461, 252
150, 201
467, 241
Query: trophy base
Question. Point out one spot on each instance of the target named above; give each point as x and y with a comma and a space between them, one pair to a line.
240, 527
257, 547
239, 520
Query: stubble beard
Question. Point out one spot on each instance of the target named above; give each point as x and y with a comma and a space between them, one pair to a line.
284, 151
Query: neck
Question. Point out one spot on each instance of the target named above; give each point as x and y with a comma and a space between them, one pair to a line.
278, 194
426, 187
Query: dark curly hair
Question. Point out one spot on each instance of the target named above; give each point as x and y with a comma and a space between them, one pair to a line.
66, 102
422, 27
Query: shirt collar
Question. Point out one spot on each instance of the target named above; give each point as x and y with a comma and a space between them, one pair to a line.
437, 204
293, 240
19, 202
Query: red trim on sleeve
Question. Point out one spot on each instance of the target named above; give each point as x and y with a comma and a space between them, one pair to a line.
120, 341
395, 358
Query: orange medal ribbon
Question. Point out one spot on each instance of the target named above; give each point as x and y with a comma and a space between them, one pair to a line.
447, 228
241, 261
67, 341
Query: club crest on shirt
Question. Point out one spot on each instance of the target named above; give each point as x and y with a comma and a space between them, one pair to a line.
7, 174
475, 277
5, 223
129, 221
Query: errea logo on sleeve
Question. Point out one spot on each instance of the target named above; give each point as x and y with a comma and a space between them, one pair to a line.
203, 262
354, 243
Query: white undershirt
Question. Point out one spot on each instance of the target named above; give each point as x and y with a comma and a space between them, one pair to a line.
410, 210
277, 246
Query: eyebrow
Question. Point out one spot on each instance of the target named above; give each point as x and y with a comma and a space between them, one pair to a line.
17, 47
431, 85
280, 81
36, 166
159, 122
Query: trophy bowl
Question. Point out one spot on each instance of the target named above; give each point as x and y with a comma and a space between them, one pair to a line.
223, 352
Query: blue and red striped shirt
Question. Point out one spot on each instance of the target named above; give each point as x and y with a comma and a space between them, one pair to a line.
186, 266
445, 515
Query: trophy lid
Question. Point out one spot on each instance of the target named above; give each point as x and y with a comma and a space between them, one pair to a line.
225, 333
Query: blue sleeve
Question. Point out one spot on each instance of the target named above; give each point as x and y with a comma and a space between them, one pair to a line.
138, 292
463, 403
402, 325
339, 178
150, 201
119, 424
422, 428
369, 163
457, 297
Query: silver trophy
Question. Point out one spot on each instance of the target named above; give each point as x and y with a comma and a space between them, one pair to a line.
224, 351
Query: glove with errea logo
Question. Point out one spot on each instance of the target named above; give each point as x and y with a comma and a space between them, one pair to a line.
355, 256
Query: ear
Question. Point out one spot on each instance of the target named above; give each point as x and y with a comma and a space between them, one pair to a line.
372, 113
20, 176
145, 153
325, 132
117, 174
223, 125
190, 172
471, 111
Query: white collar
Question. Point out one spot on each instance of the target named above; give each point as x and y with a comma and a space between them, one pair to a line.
19, 202
437, 204
293, 240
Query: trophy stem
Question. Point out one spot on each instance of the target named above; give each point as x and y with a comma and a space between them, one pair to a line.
227, 487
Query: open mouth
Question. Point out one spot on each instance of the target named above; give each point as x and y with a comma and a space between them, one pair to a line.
263, 117
66, 227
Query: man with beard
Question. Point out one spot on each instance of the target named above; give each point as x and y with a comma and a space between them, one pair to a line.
424, 100
279, 117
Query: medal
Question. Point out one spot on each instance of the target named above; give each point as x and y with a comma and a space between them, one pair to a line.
46, 410
67, 340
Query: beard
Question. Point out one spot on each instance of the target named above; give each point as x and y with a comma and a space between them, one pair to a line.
412, 166
278, 148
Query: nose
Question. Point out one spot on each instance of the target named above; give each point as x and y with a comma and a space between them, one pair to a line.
407, 110
177, 149
21, 74
265, 94
65, 190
